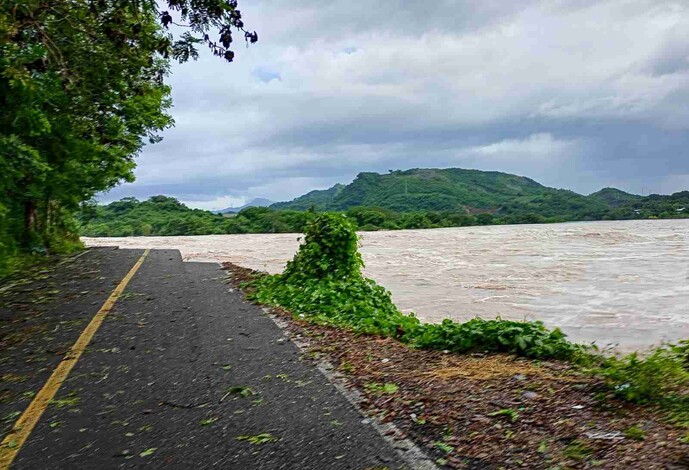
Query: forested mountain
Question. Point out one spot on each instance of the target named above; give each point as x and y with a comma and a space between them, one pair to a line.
399, 200
318, 199
451, 189
257, 202
614, 197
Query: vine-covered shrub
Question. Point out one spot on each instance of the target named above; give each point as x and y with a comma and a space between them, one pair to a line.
330, 251
324, 283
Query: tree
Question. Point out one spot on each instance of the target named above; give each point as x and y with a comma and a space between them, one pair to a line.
81, 91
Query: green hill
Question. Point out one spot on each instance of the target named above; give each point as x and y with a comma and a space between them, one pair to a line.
614, 197
418, 198
451, 189
317, 199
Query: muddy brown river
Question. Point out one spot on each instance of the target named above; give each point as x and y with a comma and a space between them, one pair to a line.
615, 283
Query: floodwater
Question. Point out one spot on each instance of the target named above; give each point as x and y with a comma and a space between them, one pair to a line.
622, 283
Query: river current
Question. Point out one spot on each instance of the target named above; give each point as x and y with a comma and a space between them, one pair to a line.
623, 283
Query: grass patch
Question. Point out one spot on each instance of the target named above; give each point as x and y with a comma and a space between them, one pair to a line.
508, 413
382, 389
635, 433
578, 450
661, 377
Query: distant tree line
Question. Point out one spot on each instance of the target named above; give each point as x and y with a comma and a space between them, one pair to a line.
162, 215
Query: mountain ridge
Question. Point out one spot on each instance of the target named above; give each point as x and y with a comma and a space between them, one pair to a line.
472, 191
256, 202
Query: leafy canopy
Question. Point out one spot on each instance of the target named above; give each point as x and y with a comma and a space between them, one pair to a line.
81, 91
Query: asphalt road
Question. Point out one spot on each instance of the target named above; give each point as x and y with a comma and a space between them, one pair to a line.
182, 374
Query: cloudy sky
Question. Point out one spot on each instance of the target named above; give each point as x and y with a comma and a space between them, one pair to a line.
577, 94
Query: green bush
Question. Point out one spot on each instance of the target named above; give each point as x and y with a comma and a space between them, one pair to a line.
324, 282
662, 376
530, 339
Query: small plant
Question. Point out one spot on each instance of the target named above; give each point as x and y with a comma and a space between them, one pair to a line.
443, 446
509, 413
148, 452
262, 438
242, 391
381, 389
661, 377
635, 433
578, 450
209, 421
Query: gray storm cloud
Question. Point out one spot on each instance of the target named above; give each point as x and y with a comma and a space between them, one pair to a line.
577, 95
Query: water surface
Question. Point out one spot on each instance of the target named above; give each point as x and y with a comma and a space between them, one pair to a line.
622, 282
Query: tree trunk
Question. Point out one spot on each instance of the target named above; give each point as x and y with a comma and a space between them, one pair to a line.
29, 223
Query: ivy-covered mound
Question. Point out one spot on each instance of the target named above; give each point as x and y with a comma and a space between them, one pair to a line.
324, 284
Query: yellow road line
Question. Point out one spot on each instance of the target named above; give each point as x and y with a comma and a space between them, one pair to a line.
14, 441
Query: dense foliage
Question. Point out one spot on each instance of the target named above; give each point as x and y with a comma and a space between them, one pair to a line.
454, 196
662, 376
324, 282
530, 339
81, 91
162, 215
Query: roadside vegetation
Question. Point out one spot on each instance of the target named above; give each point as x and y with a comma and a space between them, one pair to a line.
81, 91
324, 284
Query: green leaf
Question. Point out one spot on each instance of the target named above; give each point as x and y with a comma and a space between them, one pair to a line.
258, 439
148, 452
